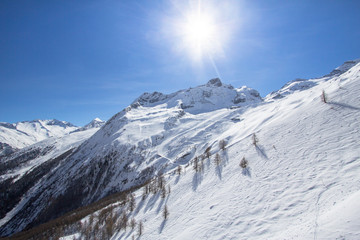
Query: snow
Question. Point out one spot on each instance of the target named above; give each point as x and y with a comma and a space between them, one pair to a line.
303, 178
23, 134
60, 144
303, 181
98, 120
96, 123
205, 98
331, 223
343, 68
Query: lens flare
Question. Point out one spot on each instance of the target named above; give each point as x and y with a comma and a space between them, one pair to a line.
199, 33
201, 30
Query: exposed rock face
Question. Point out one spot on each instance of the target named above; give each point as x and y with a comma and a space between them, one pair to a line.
211, 96
343, 68
214, 82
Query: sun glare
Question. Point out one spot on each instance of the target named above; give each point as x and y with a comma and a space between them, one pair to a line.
199, 32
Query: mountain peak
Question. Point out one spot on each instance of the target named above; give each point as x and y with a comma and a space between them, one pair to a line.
214, 82
343, 68
204, 98
96, 123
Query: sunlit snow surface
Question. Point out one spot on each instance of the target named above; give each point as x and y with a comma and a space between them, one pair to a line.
58, 146
22, 134
303, 179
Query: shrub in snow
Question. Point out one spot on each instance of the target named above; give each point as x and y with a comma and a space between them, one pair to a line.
244, 163
222, 144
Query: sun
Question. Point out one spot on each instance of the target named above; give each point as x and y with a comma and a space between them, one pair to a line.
201, 30
199, 33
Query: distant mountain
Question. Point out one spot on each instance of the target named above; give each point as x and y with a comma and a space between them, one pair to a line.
301, 171
96, 123
15, 136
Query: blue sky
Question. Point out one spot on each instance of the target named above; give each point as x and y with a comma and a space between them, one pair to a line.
77, 60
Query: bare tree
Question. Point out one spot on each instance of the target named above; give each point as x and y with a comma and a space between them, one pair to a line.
201, 165
140, 228
161, 181
217, 159
196, 164
208, 154
207, 150
255, 140
110, 225
123, 221
132, 223
91, 219
165, 212
153, 187
132, 202
145, 192
323, 97
179, 170
163, 192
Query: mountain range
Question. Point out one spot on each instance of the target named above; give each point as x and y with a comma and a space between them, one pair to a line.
14, 136
238, 165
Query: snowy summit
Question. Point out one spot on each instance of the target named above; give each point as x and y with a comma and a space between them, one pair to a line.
209, 97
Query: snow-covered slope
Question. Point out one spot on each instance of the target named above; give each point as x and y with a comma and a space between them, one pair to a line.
15, 136
343, 68
303, 84
23, 170
123, 152
22, 134
301, 182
